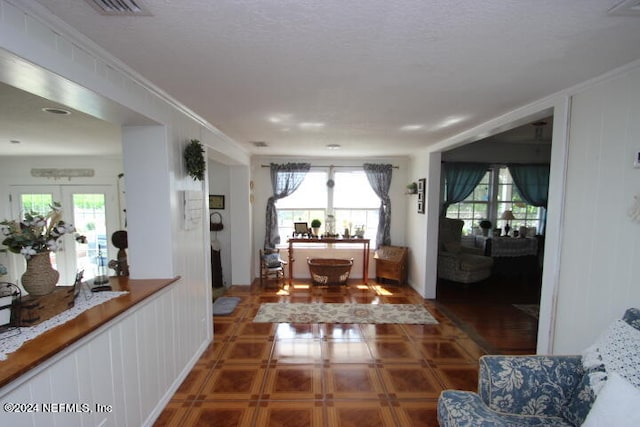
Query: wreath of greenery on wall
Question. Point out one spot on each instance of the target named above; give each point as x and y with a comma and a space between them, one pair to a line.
194, 160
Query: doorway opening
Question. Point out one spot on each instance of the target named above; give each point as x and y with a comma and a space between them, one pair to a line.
508, 299
91, 209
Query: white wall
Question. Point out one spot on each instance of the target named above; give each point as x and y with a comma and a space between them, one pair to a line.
241, 225
419, 263
601, 249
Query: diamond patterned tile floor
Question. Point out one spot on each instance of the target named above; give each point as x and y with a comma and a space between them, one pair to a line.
324, 375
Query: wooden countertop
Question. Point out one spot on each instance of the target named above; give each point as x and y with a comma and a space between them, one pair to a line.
36, 351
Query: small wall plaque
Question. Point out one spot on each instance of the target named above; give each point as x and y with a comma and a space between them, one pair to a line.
216, 201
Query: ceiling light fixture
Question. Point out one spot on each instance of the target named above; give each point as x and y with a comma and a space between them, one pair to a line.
280, 118
539, 128
14, 141
410, 128
450, 121
333, 146
55, 110
259, 144
311, 125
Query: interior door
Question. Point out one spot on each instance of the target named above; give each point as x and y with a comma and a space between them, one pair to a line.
91, 209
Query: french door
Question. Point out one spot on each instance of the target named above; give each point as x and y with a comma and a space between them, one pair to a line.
93, 210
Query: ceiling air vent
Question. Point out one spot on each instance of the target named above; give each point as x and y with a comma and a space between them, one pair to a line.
626, 8
120, 7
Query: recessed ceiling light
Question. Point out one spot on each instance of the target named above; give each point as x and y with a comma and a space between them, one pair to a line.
449, 121
411, 127
58, 111
280, 118
333, 146
311, 125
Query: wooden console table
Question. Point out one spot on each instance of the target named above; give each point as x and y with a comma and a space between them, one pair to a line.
326, 241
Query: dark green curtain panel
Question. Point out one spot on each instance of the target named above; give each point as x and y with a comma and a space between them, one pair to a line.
532, 182
460, 180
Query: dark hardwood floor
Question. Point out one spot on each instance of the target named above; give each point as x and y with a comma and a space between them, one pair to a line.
487, 311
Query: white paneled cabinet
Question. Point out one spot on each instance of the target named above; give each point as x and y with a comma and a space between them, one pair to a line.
131, 367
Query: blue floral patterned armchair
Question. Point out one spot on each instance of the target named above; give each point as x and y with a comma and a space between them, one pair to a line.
518, 391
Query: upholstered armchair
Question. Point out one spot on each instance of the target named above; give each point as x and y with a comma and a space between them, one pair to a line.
514, 391
456, 262
537, 390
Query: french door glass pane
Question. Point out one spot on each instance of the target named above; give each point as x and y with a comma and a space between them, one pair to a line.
39, 203
89, 217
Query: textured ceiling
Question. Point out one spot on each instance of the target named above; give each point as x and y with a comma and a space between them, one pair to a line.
378, 77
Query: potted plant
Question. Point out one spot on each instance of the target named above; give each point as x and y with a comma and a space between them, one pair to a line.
315, 226
35, 237
412, 188
485, 224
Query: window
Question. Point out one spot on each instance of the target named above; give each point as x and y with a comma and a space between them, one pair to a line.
475, 207
352, 201
355, 204
495, 194
308, 202
509, 199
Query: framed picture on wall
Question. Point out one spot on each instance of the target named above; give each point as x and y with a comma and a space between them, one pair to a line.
216, 201
421, 192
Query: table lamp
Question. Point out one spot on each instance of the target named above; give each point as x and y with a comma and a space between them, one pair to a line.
507, 216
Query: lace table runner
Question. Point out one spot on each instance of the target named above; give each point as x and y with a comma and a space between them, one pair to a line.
11, 340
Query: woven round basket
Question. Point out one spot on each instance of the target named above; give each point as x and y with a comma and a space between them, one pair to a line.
40, 278
329, 271
215, 222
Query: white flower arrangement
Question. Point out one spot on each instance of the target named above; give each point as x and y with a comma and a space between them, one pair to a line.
36, 233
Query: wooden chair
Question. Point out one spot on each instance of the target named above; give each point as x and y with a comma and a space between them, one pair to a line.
272, 267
